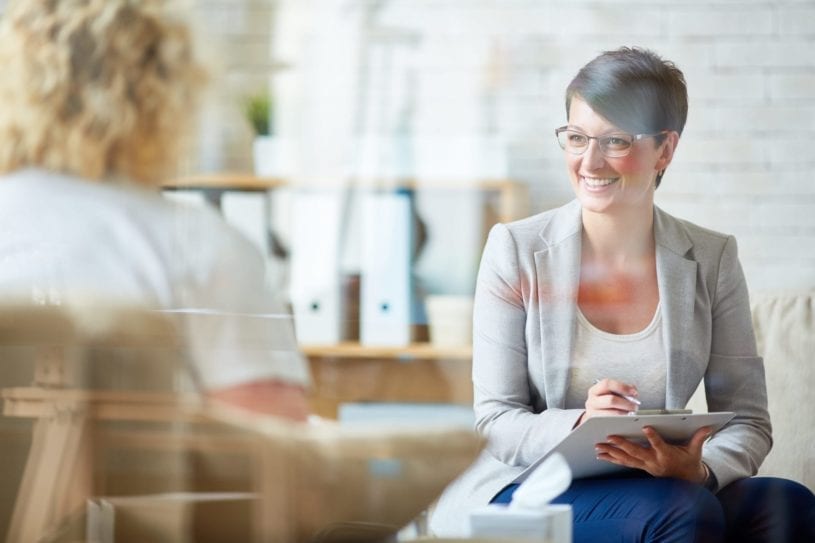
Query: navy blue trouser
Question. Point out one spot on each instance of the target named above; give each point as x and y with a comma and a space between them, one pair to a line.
644, 508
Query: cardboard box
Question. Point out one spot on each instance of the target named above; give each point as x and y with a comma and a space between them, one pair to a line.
173, 517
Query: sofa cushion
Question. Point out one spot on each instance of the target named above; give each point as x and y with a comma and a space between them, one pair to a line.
785, 334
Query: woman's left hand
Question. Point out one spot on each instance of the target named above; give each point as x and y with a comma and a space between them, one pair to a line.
658, 458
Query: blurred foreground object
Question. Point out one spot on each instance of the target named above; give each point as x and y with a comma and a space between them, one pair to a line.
99, 99
99, 434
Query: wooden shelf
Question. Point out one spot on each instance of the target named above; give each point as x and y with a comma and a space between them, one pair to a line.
513, 196
226, 181
419, 351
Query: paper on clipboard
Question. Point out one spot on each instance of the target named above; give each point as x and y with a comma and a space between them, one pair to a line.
578, 446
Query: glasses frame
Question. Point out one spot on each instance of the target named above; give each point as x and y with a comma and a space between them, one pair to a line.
619, 154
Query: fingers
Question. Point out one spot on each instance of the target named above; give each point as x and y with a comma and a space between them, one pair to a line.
611, 394
623, 452
609, 401
657, 457
654, 439
612, 386
698, 439
611, 398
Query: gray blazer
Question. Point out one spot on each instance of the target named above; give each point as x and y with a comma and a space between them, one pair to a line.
523, 330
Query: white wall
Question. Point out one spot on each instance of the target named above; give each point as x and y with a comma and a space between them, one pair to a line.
494, 71
236, 37
499, 68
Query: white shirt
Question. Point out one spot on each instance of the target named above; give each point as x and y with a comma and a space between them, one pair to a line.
637, 359
64, 239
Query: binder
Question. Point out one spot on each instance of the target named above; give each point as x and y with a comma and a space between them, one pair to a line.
386, 284
316, 286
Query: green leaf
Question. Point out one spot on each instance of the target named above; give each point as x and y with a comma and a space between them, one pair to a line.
258, 111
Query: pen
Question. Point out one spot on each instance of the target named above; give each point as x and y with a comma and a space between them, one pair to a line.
631, 399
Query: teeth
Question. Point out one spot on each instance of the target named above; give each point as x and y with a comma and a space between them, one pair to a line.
595, 182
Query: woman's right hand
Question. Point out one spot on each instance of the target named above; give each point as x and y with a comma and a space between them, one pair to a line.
606, 398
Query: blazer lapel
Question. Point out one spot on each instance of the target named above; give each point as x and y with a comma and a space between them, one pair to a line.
676, 277
558, 272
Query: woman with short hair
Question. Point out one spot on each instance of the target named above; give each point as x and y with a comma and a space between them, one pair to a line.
608, 304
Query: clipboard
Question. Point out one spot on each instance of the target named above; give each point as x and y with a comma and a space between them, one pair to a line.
578, 446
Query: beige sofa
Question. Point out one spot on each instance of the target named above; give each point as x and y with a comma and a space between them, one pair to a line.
785, 333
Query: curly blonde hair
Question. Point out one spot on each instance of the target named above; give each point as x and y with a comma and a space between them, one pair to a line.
96, 88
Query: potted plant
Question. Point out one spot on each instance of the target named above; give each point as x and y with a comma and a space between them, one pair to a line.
259, 111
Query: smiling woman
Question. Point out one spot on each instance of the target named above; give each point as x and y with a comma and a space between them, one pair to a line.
609, 303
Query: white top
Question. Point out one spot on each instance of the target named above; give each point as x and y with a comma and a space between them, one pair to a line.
66, 239
637, 359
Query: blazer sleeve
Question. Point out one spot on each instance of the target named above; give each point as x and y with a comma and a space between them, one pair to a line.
518, 433
734, 380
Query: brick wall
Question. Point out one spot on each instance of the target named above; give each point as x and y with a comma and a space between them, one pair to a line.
236, 37
467, 79
495, 70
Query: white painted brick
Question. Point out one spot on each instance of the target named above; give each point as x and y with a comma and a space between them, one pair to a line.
685, 54
792, 86
718, 21
607, 20
790, 151
556, 83
537, 19
735, 87
770, 118
449, 115
786, 53
248, 52
774, 275
795, 217
797, 21
774, 247
448, 83
721, 151
742, 164
709, 213
738, 185
701, 119
536, 52
678, 185
236, 18
436, 51
525, 84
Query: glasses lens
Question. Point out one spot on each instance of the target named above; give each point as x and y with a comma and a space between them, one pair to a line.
615, 145
572, 141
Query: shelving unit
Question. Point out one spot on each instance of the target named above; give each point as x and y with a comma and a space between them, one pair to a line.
418, 373
414, 351
349, 371
512, 196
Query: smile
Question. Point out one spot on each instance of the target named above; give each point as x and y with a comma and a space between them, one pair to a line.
598, 182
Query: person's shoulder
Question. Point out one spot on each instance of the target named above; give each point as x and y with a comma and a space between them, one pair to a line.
704, 243
550, 226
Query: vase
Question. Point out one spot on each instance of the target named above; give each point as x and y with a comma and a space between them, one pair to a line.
272, 156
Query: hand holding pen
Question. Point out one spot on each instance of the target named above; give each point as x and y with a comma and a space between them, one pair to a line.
610, 397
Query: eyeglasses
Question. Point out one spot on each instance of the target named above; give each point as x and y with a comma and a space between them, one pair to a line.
611, 145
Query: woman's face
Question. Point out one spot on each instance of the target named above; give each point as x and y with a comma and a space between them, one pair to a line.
605, 184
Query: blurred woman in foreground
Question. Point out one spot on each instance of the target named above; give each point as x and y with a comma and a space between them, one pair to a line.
97, 98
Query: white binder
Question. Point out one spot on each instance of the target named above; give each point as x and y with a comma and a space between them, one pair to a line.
386, 286
316, 287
